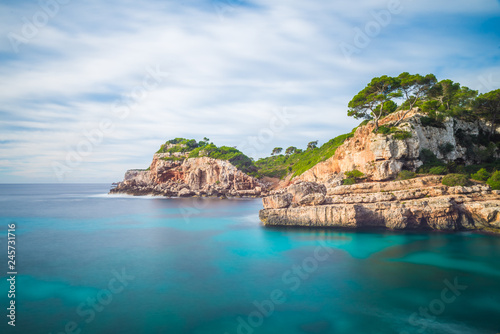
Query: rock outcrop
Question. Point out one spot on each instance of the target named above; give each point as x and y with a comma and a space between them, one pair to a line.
317, 198
382, 157
420, 203
170, 175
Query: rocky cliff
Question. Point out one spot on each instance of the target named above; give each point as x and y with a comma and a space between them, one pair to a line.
176, 175
316, 198
420, 203
382, 157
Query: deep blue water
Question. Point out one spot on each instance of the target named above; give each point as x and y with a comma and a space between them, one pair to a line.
92, 263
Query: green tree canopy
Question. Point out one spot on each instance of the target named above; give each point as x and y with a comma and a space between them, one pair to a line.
276, 150
413, 88
369, 103
312, 144
487, 106
449, 98
291, 150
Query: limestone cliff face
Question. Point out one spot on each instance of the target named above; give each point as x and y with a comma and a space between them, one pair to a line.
381, 157
189, 177
316, 198
421, 203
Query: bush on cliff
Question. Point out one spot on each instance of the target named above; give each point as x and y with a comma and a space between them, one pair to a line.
348, 182
453, 180
438, 170
354, 174
481, 175
397, 133
406, 175
352, 177
494, 181
179, 145
430, 160
231, 154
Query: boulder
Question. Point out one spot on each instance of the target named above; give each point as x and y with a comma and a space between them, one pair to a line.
277, 201
307, 193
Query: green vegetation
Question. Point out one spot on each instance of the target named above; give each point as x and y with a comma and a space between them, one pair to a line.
429, 121
437, 99
371, 102
401, 135
348, 181
453, 180
312, 145
380, 97
406, 175
204, 148
180, 145
291, 150
354, 174
481, 175
397, 133
231, 154
438, 170
276, 150
494, 181
430, 160
444, 149
352, 177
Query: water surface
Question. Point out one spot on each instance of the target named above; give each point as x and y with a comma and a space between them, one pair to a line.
118, 264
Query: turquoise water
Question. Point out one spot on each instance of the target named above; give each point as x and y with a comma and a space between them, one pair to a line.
92, 263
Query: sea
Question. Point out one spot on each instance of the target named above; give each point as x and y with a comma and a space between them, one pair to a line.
89, 262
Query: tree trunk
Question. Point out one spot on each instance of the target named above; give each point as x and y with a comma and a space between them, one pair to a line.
403, 116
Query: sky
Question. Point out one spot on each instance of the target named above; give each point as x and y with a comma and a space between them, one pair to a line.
92, 88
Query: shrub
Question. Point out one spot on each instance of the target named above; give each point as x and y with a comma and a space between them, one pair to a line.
349, 181
453, 180
406, 175
438, 170
444, 149
354, 174
429, 121
384, 129
428, 157
481, 175
397, 133
401, 135
494, 181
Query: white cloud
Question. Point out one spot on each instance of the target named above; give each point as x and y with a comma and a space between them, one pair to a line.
228, 75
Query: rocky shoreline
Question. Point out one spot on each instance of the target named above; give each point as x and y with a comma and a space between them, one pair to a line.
317, 198
417, 204
171, 176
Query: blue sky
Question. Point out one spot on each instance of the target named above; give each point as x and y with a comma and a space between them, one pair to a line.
90, 89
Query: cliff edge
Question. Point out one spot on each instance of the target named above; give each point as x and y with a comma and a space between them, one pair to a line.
175, 174
318, 198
